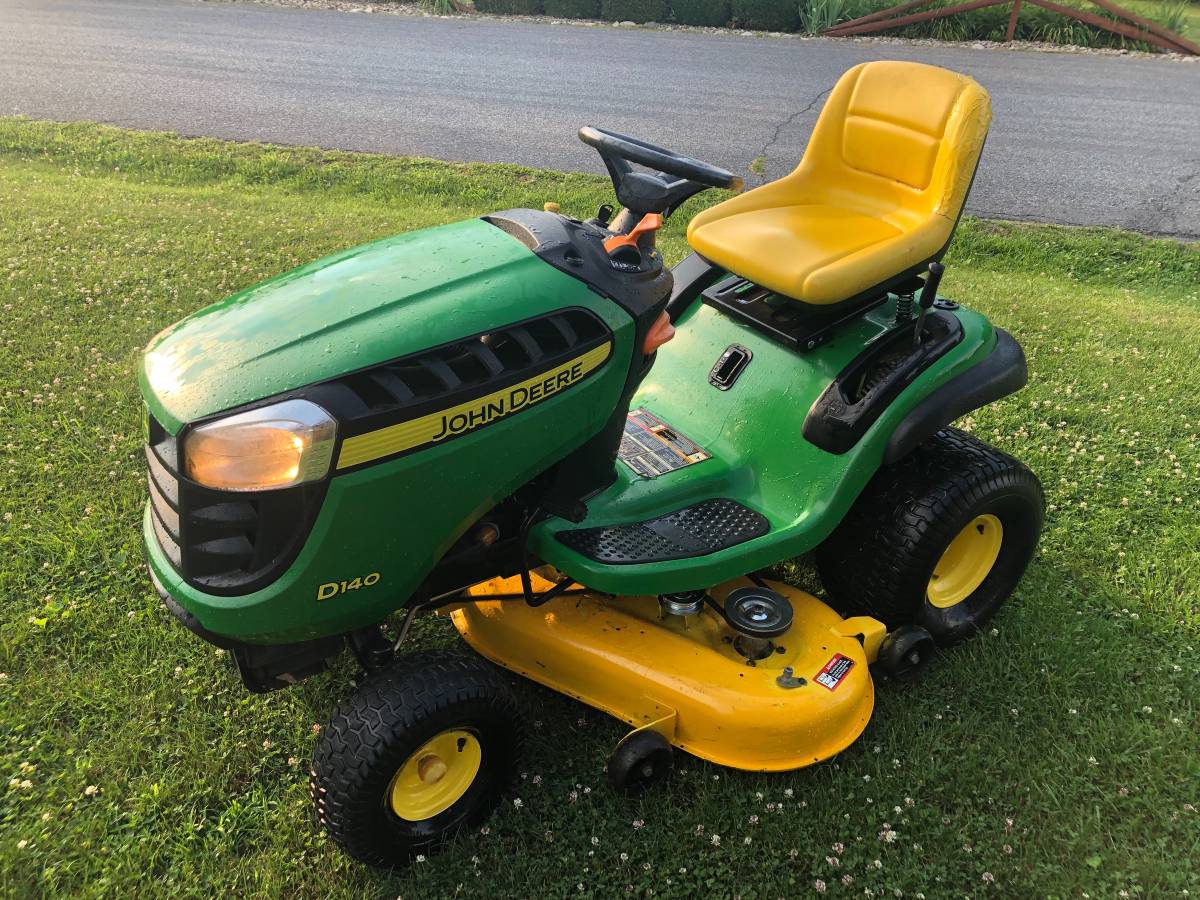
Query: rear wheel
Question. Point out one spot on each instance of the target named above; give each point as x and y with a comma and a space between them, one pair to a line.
420, 751
939, 540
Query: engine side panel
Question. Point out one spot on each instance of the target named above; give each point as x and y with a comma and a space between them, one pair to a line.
759, 456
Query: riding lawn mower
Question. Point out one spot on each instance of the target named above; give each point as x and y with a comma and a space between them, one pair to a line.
594, 465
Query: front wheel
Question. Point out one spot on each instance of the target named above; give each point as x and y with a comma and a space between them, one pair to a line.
422, 750
938, 540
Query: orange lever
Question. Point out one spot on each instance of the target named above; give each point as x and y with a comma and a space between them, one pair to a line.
650, 223
660, 332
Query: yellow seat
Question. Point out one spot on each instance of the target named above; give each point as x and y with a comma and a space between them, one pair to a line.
876, 196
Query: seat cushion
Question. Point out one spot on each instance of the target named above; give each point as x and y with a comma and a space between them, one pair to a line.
803, 252
876, 196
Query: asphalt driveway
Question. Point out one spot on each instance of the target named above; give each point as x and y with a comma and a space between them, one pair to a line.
1079, 139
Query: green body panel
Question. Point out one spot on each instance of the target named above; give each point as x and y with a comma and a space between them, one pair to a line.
759, 455
354, 309
398, 517
395, 519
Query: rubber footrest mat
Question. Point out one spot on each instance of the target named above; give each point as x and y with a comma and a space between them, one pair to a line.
692, 531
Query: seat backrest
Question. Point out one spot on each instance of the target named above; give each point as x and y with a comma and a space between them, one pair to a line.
897, 139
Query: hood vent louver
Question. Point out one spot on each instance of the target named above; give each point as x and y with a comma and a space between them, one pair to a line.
464, 367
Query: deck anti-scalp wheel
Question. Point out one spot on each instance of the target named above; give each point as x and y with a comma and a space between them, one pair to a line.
939, 539
642, 760
420, 751
906, 652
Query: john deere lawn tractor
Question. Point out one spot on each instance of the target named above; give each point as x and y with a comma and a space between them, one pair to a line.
591, 462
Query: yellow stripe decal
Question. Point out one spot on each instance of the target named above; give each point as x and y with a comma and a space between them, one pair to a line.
468, 416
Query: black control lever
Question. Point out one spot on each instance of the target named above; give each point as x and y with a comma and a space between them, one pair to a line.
603, 216
928, 295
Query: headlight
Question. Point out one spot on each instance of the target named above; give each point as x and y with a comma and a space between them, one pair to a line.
275, 446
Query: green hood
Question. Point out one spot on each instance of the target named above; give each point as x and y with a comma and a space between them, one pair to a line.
357, 308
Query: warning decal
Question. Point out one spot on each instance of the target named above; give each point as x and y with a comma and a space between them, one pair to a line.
835, 671
651, 447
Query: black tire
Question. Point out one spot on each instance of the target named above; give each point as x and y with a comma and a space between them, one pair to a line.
378, 728
642, 760
880, 558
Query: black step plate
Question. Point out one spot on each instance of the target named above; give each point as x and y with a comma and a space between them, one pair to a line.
692, 531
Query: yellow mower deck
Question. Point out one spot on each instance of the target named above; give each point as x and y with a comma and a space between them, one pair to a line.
683, 677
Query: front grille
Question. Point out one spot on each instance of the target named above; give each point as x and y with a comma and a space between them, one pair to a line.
221, 541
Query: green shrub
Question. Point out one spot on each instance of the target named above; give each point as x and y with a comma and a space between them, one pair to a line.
1034, 24
701, 12
572, 9
767, 15
510, 7
634, 10
818, 15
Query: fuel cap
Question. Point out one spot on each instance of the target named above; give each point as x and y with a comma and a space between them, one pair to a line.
758, 612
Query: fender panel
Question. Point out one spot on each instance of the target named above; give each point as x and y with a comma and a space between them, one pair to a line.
1001, 373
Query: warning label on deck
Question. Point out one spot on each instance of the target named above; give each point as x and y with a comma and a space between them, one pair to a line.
834, 671
651, 447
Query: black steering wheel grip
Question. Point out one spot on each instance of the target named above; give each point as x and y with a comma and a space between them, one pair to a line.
614, 146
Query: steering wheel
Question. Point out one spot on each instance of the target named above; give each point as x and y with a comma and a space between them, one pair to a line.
677, 177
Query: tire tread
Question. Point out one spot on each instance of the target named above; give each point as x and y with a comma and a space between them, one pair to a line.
362, 732
880, 555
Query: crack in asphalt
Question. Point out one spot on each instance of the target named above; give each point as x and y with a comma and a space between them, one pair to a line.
1161, 212
764, 153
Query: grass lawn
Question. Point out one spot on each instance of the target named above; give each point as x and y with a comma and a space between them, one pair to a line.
1058, 756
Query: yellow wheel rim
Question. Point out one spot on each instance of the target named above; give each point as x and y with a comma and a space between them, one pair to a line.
436, 776
966, 562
